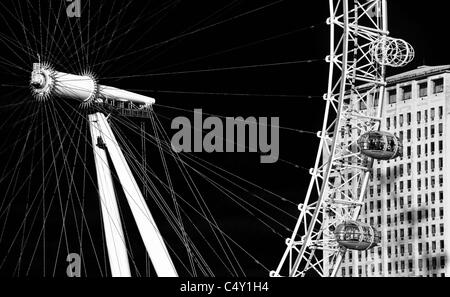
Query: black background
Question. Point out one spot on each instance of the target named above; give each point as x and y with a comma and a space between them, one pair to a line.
143, 45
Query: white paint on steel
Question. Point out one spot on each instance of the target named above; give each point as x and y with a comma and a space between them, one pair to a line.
115, 240
110, 93
148, 229
341, 173
77, 87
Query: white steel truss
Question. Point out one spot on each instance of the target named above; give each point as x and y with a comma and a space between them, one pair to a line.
354, 101
105, 141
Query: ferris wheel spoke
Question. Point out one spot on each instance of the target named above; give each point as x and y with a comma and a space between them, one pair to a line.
213, 183
167, 41
170, 190
149, 181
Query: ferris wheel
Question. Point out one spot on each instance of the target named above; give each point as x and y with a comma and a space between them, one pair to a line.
350, 140
90, 184
85, 146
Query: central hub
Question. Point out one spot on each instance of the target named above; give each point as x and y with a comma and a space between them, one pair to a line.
42, 81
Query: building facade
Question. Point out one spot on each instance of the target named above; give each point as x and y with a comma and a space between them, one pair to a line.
408, 199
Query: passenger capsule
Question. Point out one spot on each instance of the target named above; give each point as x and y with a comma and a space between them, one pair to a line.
357, 236
380, 145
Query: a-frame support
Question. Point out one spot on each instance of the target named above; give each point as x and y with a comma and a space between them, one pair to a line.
104, 139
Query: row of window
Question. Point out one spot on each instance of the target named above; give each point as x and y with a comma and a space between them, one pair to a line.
437, 87
406, 169
399, 266
404, 202
433, 263
407, 234
406, 186
406, 119
422, 133
400, 218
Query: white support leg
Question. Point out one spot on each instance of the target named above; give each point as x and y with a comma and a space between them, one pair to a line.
115, 240
150, 234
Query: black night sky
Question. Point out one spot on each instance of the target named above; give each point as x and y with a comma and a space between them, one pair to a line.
188, 54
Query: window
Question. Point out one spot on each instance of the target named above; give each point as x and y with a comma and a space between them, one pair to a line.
392, 95
438, 86
408, 118
376, 99
441, 112
419, 117
423, 89
388, 123
406, 92
441, 129
433, 114
434, 263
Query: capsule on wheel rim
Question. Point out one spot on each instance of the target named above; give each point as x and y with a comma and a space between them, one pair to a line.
380, 145
357, 236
